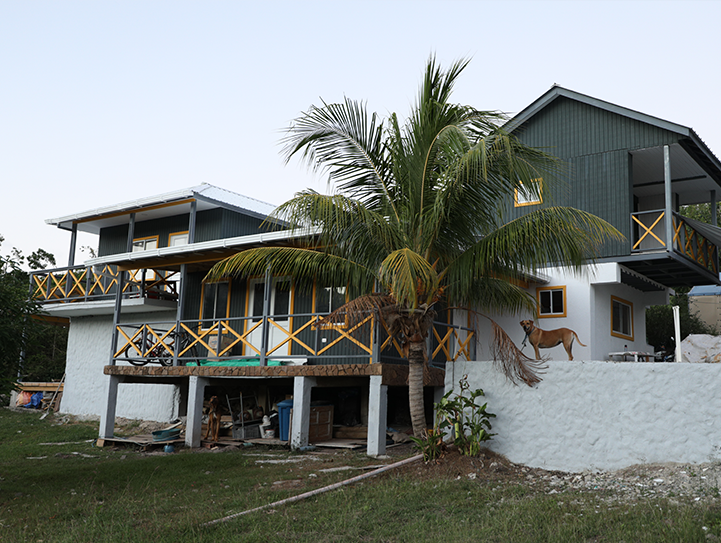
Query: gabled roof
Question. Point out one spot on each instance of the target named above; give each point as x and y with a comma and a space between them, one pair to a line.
695, 145
170, 203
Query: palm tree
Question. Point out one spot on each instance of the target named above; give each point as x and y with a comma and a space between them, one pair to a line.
417, 216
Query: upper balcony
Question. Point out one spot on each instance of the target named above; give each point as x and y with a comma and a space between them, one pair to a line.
665, 246
92, 290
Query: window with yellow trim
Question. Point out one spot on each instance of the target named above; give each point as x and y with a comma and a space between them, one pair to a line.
621, 318
328, 299
144, 244
215, 302
551, 301
529, 195
178, 238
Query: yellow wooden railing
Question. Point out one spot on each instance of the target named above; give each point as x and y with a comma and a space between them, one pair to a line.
97, 282
686, 239
158, 341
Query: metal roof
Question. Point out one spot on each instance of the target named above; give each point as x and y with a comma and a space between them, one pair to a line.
170, 203
694, 146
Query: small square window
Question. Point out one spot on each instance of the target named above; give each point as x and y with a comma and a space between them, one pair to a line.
621, 318
551, 301
530, 194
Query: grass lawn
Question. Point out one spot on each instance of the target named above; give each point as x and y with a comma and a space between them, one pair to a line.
56, 486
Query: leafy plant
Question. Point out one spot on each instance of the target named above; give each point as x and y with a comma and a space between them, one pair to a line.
432, 445
463, 418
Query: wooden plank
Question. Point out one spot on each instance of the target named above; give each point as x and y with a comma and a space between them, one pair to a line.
40, 386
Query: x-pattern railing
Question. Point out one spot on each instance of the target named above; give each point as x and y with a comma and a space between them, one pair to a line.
158, 341
691, 243
88, 283
645, 231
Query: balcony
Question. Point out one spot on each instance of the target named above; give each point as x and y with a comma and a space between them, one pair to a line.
90, 290
691, 259
277, 340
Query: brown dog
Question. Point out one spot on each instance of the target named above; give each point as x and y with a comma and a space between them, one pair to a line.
213, 419
545, 339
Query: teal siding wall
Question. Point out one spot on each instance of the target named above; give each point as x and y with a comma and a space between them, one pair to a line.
595, 146
210, 224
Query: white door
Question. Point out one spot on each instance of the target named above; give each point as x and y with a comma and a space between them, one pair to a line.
280, 295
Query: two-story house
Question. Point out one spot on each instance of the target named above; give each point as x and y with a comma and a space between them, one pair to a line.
149, 339
635, 171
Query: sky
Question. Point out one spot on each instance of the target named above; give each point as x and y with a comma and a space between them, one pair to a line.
109, 101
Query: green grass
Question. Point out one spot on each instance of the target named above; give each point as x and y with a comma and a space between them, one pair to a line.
50, 494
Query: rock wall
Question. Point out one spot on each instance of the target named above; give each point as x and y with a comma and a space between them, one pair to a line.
602, 415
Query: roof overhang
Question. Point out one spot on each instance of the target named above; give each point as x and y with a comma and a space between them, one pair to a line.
171, 258
178, 202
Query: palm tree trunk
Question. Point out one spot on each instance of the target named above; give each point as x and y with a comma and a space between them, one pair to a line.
416, 361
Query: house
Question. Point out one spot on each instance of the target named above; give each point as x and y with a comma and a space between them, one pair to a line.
149, 339
634, 171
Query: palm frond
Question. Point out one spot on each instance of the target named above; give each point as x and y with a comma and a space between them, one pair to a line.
409, 277
305, 266
343, 140
516, 366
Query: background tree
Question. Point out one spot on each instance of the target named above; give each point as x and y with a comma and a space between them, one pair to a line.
660, 330
417, 215
21, 331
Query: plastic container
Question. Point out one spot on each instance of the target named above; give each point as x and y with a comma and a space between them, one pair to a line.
284, 408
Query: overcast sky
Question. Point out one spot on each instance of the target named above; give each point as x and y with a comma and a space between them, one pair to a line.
104, 102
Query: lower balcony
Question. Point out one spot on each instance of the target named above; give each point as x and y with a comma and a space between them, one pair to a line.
278, 340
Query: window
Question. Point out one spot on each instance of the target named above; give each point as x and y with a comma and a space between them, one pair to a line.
279, 298
621, 318
328, 299
551, 301
215, 302
178, 238
530, 195
145, 244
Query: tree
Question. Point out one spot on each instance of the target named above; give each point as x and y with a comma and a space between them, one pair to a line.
20, 329
660, 325
417, 216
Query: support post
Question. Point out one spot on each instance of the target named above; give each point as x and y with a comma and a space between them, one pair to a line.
714, 210
265, 332
668, 197
300, 424
73, 243
193, 424
377, 416
116, 316
131, 233
179, 313
191, 221
107, 416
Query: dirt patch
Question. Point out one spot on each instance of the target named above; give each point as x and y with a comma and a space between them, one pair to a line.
675, 481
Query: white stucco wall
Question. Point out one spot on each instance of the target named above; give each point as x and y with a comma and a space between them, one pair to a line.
84, 392
588, 313
602, 415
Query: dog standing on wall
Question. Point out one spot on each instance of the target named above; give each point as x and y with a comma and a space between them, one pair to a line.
213, 418
545, 339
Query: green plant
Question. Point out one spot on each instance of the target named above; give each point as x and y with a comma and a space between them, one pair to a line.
460, 415
432, 445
